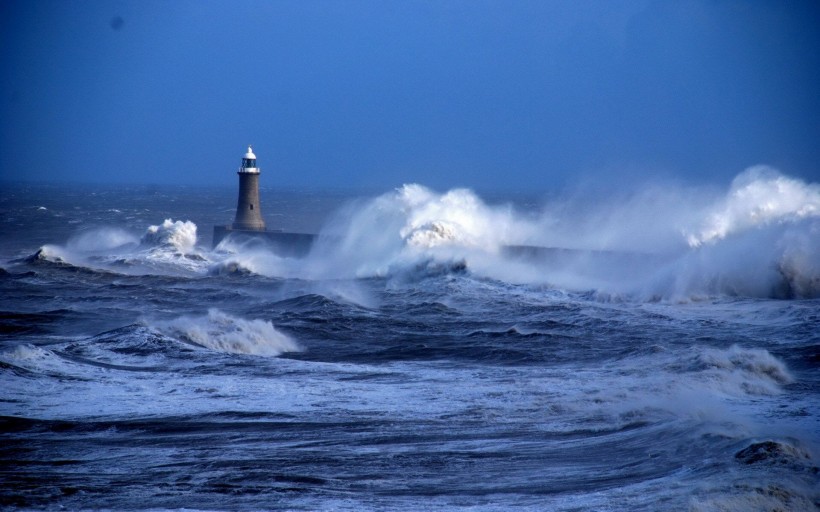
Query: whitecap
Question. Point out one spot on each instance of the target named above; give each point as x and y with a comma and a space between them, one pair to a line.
225, 333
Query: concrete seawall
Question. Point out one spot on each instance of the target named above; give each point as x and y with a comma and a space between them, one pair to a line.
289, 245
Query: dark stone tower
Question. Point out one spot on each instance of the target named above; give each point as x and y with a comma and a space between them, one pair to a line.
248, 212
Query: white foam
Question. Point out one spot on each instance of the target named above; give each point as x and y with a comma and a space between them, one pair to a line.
53, 253
722, 389
234, 256
26, 353
457, 217
166, 248
761, 238
407, 226
35, 359
741, 370
781, 260
225, 333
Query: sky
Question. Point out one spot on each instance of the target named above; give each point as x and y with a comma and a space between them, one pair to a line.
491, 95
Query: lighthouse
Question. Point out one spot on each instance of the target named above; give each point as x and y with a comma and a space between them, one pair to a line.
248, 224
248, 212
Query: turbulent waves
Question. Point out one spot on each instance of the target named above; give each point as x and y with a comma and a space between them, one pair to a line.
433, 351
762, 239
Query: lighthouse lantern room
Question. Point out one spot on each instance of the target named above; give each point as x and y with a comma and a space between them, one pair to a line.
248, 212
249, 162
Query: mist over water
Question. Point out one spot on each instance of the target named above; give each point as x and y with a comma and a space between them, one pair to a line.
653, 349
759, 239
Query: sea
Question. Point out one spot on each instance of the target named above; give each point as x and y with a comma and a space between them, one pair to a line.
651, 348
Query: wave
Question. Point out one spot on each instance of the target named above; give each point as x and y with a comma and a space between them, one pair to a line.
778, 261
166, 248
47, 254
404, 229
742, 370
31, 361
694, 382
14, 322
57, 257
239, 256
225, 333
782, 453
231, 268
759, 239
758, 196
27, 352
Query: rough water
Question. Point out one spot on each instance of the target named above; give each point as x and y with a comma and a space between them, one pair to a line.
656, 350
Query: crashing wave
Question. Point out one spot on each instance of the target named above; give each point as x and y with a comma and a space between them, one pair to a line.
47, 254
179, 235
431, 234
398, 230
429, 267
168, 248
229, 268
457, 217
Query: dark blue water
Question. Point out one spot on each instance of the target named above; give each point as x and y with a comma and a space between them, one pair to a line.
411, 362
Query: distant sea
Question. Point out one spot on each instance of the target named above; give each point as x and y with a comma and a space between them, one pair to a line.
656, 350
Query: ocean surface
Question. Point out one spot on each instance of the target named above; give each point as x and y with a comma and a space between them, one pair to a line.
652, 349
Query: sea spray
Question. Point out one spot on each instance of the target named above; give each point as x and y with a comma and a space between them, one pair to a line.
756, 240
247, 255
759, 238
102, 239
757, 197
775, 261
412, 224
435, 384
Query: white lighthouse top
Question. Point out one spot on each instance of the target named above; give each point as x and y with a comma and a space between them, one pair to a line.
249, 163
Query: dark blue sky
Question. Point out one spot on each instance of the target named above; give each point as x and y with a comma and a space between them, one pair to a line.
527, 95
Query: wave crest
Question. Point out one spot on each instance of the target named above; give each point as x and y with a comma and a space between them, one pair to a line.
225, 333
752, 371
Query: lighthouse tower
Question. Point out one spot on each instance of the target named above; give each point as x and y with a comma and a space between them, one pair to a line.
248, 212
248, 223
